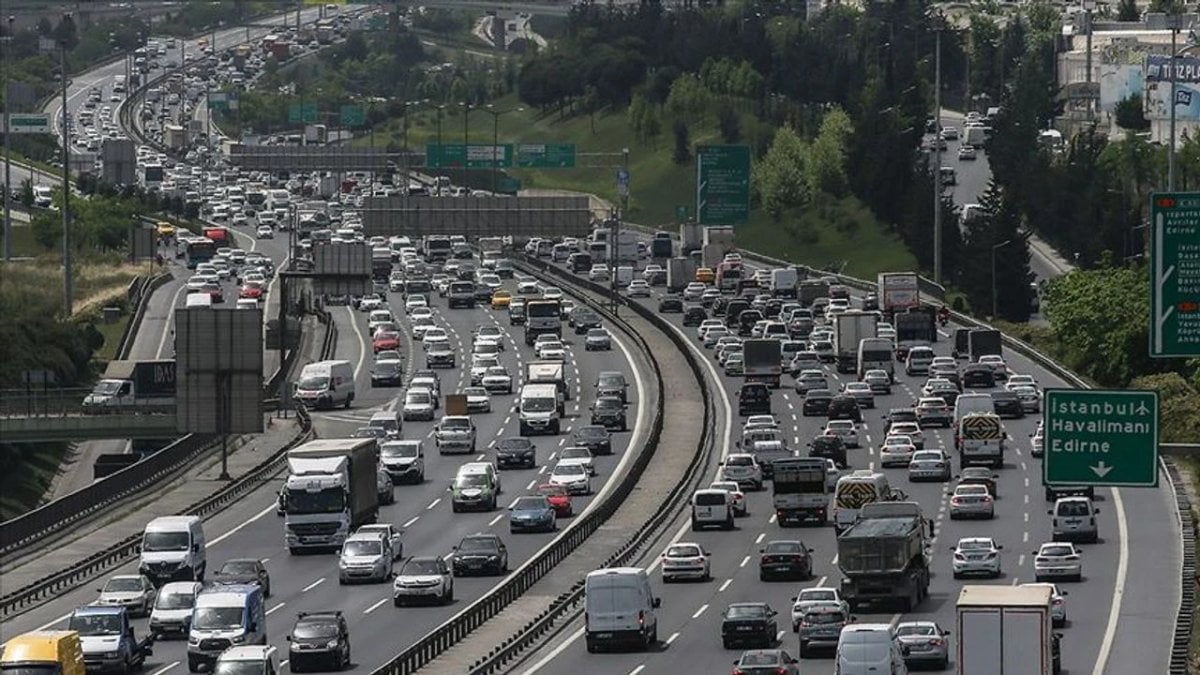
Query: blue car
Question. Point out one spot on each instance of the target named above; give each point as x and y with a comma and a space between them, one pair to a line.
532, 514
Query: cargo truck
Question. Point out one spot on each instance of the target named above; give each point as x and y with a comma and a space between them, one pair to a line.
626, 249
763, 361
691, 238
1005, 630
549, 372
979, 439
882, 556
680, 273
661, 247
850, 329
712, 255
984, 342
133, 384
109, 641
542, 317
784, 282
897, 292
800, 491
331, 489
916, 327
720, 236
811, 289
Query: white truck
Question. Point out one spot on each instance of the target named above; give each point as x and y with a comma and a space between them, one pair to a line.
784, 282
626, 250
549, 372
720, 235
680, 273
538, 410
980, 439
1005, 630
898, 292
331, 489
800, 490
691, 238
144, 385
850, 329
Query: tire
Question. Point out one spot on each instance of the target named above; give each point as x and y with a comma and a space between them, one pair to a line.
194, 667
396, 602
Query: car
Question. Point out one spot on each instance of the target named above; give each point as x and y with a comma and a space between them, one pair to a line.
496, 380
976, 555
971, 501
896, 450
924, 643
766, 662
385, 341
573, 477
966, 152
844, 429
809, 380
1037, 443
1029, 396
387, 372
739, 498
819, 626
742, 468
1058, 602
479, 553
748, 623
551, 350
419, 404
1057, 560
389, 533
134, 592
319, 641
996, 363
685, 560
478, 399
383, 479
843, 407
693, 291
414, 301
910, 429
978, 376
638, 288
455, 431
929, 465
559, 498
1017, 379
501, 299
264, 232
515, 452
705, 275
599, 272
933, 411
814, 597
862, 392
609, 412
597, 339
423, 578
532, 513
527, 286
244, 571
1008, 404
816, 402
829, 447
594, 437
980, 475
670, 305
735, 365
878, 380
785, 559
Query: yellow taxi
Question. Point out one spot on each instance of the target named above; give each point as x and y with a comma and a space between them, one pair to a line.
705, 275
501, 299
165, 229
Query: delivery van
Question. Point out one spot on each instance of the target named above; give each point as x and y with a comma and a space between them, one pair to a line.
173, 549
326, 384
620, 608
225, 615
46, 651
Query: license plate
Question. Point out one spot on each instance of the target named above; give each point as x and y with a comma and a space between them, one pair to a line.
602, 635
745, 627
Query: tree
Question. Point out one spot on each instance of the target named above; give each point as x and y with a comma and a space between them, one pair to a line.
996, 232
779, 176
355, 47
688, 98
635, 114
1130, 114
826, 168
683, 143
1128, 11
729, 124
590, 104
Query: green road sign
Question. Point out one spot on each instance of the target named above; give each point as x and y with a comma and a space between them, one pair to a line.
546, 155
353, 116
682, 212
456, 155
1101, 437
301, 113
24, 123
508, 186
722, 184
1175, 274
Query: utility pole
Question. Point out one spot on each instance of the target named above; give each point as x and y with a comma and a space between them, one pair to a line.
937, 152
625, 194
614, 233
466, 144
1087, 15
8, 186
68, 290
1171, 143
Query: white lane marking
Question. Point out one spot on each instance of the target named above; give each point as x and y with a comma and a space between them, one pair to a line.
410, 521
637, 670
744, 561
1114, 610
362, 342
724, 585
700, 611
313, 585
761, 536
531, 484
279, 606
1024, 539
495, 520
375, 606
165, 668
674, 637
1021, 560
541, 469
162, 341
283, 663
433, 504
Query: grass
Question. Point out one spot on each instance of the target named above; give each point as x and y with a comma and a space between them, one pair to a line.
21, 491
97, 283
832, 231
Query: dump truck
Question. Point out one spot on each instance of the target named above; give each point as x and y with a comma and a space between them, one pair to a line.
1005, 630
800, 491
979, 439
331, 489
850, 329
763, 361
984, 342
882, 556
133, 384
897, 292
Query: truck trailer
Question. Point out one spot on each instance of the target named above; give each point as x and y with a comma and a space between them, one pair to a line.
800, 491
897, 292
331, 489
680, 273
763, 361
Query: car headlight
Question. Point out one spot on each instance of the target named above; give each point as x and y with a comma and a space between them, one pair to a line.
332, 644
341, 564
237, 639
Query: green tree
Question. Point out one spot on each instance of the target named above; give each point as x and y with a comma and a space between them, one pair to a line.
826, 166
1130, 114
1179, 406
995, 235
1128, 10
729, 124
635, 114
688, 98
779, 177
683, 143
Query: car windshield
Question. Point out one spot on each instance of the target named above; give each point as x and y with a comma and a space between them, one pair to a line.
568, 470
529, 504
921, 629
223, 667
174, 601
315, 629
975, 545
239, 567
456, 424
399, 450
1074, 509
477, 545
745, 612
683, 551
416, 397
471, 480
823, 617
123, 585
735, 460
597, 333
217, 618
1056, 550
313, 382
363, 547
818, 594
785, 547
420, 567
538, 404
96, 624
607, 403
165, 541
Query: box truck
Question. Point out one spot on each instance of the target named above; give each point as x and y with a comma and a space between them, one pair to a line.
850, 329
1005, 630
133, 384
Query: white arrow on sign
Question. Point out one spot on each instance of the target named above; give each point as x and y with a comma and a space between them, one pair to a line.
1101, 469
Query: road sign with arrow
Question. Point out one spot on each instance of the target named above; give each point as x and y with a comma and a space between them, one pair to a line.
1101, 438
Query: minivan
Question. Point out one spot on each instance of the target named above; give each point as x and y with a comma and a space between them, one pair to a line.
172, 613
869, 649
712, 507
918, 361
1074, 520
389, 422
173, 549
754, 399
223, 616
619, 608
326, 384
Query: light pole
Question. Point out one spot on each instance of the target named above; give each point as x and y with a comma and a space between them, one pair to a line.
996, 247
466, 106
937, 150
68, 290
8, 188
437, 179
1087, 15
497, 157
1175, 54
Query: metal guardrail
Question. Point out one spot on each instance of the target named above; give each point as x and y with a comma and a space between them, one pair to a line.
144, 292
426, 649
65, 402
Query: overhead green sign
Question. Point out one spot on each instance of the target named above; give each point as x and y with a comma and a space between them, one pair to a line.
1175, 274
1101, 438
722, 184
353, 116
546, 155
302, 113
24, 123
457, 155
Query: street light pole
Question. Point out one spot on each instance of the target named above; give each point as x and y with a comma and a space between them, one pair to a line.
8, 187
68, 290
937, 152
1171, 144
466, 144
996, 247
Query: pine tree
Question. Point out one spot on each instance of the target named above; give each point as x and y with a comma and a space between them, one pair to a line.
998, 223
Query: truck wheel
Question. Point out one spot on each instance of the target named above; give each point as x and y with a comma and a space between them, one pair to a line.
193, 666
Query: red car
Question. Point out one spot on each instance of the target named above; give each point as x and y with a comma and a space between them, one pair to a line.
252, 291
559, 498
385, 340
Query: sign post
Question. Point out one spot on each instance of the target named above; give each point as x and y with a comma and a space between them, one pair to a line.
1175, 274
1101, 438
722, 184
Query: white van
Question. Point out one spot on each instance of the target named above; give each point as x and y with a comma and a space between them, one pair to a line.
869, 649
620, 608
198, 301
855, 490
223, 615
325, 384
712, 508
539, 409
248, 660
173, 549
624, 276
172, 613
972, 403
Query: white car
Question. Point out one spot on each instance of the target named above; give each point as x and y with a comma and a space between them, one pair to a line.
134, 592
896, 450
423, 578
694, 291
735, 490
846, 430
497, 380
976, 555
551, 351
1058, 603
910, 429
742, 468
707, 325
492, 334
480, 363
599, 272
414, 301
264, 232
478, 400
435, 334
578, 455
370, 303
574, 477
760, 422
972, 501
812, 597
1016, 379
713, 334
377, 318
1057, 560
638, 288
832, 474
418, 404
527, 287
685, 560
421, 326
929, 465
996, 363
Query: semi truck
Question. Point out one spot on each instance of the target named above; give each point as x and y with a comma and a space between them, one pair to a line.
763, 361
133, 384
984, 342
1005, 630
661, 246
331, 489
979, 439
712, 255
897, 292
850, 329
720, 236
915, 327
680, 273
691, 238
800, 491
882, 556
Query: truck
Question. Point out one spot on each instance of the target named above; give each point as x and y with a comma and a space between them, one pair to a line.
897, 292
984, 342
914, 328
851, 328
811, 289
661, 246
720, 236
133, 384
763, 361
712, 255
315, 134
331, 489
109, 641
784, 282
979, 438
43, 651
691, 238
542, 317
174, 136
680, 273
1005, 630
281, 50
491, 249
436, 248
381, 263
549, 372
800, 492
883, 556
626, 250
975, 136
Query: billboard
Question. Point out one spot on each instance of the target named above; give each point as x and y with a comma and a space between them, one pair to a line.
219, 363
1158, 88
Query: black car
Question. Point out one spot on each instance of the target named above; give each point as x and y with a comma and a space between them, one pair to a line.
387, 373
754, 398
670, 305
480, 554
842, 407
816, 402
609, 412
899, 415
244, 571
515, 452
595, 438
1007, 404
585, 320
319, 641
746, 321
785, 560
694, 316
750, 623
979, 475
977, 376
829, 447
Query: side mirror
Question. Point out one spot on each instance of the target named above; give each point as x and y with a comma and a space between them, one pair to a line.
195, 548
657, 603
999, 547
287, 637
1050, 511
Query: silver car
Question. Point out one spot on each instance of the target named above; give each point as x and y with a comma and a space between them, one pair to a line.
1058, 603
924, 643
976, 555
820, 626
134, 592
929, 465
597, 339
972, 501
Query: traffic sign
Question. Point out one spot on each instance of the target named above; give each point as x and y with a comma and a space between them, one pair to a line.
353, 116
456, 155
623, 182
302, 113
722, 184
1100, 437
24, 123
546, 155
1175, 274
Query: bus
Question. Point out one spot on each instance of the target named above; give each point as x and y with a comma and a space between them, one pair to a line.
729, 276
197, 250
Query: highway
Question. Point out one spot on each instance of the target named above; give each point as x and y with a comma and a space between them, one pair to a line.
309, 582
1131, 521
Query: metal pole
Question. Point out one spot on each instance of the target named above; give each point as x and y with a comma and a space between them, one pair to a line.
466, 153
625, 195
614, 227
495, 145
8, 186
937, 157
68, 291
1171, 143
1087, 14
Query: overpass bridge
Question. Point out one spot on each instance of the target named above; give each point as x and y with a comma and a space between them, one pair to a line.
42, 415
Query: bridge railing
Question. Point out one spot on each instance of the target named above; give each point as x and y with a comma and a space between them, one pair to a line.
65, 402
